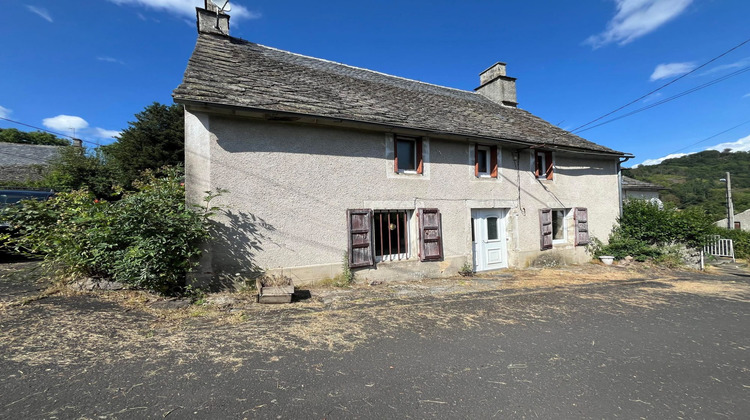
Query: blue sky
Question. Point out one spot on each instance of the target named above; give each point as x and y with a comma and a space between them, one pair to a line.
90, 65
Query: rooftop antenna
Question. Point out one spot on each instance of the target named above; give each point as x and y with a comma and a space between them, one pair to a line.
221, 7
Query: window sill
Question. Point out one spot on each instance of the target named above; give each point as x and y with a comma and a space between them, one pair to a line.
388, 259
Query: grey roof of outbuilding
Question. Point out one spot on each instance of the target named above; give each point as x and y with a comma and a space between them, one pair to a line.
233, 72
14, 154
634, 184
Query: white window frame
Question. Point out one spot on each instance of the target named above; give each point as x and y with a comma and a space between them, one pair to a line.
565, 226
487, 160
540, 156
415, 161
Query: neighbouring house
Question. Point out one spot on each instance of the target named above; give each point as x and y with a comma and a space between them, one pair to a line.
324, 162
21, 163
741, 221
641, 190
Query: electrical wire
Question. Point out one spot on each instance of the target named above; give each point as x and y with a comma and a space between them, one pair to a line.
710, 137
662, 86
671, 98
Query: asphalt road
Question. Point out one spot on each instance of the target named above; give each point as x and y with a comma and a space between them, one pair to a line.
647, 349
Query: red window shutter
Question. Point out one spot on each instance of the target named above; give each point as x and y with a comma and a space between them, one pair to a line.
359, 224
418, 147
581, 217
430, 237
493, 161
550, 166
476, 160
545, 224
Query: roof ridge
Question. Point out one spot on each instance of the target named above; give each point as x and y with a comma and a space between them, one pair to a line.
370, 71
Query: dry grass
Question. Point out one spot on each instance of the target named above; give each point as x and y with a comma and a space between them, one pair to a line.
111, 327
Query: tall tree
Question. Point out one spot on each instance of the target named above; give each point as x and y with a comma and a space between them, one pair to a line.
12, 135
155, 139
74, 169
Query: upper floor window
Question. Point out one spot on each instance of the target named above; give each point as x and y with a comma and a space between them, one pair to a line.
543, 164
485, 161
408, 155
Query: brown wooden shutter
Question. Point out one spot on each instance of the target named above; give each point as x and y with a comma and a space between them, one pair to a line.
418, 147
359, 223
493, 161
545, 224
581, 217
430, 238
476, 160
550, 166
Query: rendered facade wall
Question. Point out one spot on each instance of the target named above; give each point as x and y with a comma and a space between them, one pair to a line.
291, 184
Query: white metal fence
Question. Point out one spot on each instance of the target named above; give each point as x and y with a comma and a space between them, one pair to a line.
719, 247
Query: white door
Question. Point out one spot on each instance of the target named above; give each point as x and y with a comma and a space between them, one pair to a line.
488, 236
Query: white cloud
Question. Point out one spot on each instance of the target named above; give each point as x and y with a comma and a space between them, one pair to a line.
106, 134
41, 12
636, 18
648, 162
185, 8
65, 123
747, 95
741, 145
665, 71
737, 64
5, 112
110, 60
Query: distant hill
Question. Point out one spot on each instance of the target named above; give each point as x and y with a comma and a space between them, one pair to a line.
694, 180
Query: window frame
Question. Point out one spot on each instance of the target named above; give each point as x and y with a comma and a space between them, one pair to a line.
418, 161
377, 233
491, 161
565, 216
544, 159
478, 172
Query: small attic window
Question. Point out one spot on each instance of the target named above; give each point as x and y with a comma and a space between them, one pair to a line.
543, 164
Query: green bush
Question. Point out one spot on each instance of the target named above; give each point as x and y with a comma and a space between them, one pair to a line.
645, 231
740, 240
148, 239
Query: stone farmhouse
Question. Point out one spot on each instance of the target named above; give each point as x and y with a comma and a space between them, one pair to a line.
325, 162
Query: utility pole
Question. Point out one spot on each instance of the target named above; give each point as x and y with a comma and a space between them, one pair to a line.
730, 205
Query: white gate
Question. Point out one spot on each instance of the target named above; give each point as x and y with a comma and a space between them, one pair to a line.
719, 247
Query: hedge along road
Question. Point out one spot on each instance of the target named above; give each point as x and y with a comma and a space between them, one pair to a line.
659, 345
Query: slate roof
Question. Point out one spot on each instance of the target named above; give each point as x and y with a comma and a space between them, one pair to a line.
14, 154
233, 72
634, 184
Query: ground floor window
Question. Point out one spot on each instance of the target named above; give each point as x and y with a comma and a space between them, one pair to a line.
391, 234
559, 228
386, 235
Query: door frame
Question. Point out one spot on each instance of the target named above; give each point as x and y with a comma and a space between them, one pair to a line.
478, 245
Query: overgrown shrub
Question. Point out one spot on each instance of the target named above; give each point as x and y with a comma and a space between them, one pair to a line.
645, 231
740, 240
148, 239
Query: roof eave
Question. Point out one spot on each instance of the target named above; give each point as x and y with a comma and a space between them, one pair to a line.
269, 114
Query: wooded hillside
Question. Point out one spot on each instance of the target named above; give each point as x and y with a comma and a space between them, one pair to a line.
694, 180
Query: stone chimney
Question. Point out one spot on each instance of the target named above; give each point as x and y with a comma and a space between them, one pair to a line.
211, 20
496, 86
77, 142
